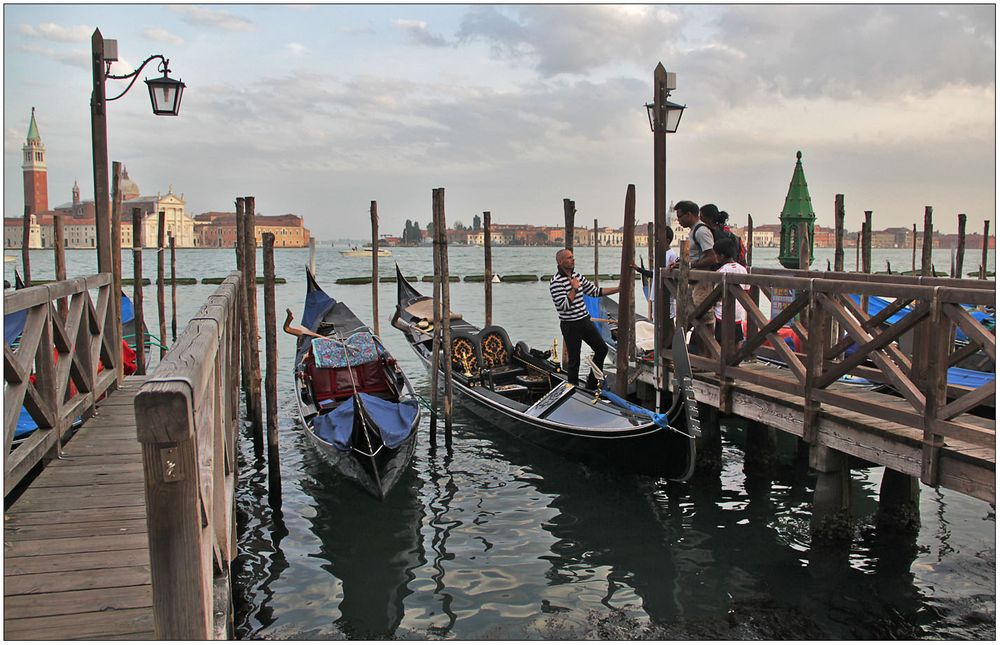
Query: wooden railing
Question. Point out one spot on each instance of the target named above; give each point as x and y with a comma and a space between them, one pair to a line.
56, 369
837, 337
187, 417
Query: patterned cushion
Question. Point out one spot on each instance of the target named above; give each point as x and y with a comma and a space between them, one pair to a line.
358, 349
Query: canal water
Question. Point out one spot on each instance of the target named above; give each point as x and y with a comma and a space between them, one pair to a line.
497, 539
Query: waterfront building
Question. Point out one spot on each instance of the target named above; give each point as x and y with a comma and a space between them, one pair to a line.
216, 229
177, 222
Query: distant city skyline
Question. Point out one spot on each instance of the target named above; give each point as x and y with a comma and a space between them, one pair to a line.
320, 109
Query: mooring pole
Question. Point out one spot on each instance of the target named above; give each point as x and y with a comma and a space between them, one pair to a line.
374, 216
441, 230
626, 288
960, 253
116, 265
244, 301
839, 215
488, 268
138, 316
173, 289
569, 214
986, 246
250, 269
271, 376
925, 256
661, 310
312, 255
435, 324
913, 260
866, 239
597, 281
160, 282
26, 245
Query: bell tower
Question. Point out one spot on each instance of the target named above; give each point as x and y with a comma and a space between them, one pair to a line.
36, 184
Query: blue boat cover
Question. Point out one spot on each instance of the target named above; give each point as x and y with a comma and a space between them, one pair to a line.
128, 313
594, 309
876, 305
316, 306
969, 378
394, 421
25, 424
658, 419
13, 325
358, 349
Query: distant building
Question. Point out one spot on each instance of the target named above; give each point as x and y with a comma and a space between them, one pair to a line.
217, 229
177, 222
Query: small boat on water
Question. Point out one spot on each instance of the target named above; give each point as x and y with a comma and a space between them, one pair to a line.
365, 252
354, 402
525, 393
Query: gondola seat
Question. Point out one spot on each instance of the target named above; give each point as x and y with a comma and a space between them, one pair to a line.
497, 355
465, 356
329, 386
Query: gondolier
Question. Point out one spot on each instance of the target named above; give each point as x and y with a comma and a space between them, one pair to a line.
574, 320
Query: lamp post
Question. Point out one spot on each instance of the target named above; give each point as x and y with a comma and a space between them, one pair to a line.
165, 95
664, 117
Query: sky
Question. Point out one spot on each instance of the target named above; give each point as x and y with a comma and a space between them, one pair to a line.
318, 110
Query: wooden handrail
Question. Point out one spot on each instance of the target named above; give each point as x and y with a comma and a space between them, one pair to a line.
62, 355
186, 421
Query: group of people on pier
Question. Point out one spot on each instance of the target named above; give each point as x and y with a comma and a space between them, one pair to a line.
713, 247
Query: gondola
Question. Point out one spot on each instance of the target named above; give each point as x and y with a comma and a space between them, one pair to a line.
520, 390
354, 402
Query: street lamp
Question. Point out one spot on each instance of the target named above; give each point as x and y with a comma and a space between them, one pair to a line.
664, 117
165, 95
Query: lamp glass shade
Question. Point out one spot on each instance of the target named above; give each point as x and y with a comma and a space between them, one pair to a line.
165, 95
651, 109
674, 112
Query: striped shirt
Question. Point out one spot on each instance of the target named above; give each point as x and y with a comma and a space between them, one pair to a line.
575, 310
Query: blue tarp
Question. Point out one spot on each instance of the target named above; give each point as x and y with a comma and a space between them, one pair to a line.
969, 378
13, 325
128, 313
876, 305
316, 305
394, 421
594, 309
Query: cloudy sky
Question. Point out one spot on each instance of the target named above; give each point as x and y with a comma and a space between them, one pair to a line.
317, 110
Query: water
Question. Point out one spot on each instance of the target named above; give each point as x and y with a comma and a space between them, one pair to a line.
501, 540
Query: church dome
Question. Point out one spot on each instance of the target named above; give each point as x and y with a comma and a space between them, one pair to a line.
128, 188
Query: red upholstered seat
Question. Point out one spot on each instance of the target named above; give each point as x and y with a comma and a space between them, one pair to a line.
335, 384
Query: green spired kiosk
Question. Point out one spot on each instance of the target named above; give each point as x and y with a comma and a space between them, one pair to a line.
798, 210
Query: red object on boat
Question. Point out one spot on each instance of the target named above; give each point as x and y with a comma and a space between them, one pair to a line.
790, 337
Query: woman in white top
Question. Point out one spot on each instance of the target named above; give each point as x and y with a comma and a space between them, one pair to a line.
727, 250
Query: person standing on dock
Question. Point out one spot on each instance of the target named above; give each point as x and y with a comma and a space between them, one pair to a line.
702, 258
574, 319
727, 251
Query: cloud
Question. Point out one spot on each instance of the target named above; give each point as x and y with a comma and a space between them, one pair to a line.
75, 57
419, 33
162, 36
212, 18
295, 49
58, 33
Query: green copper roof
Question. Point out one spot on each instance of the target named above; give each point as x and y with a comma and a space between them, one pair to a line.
798, 204
33, 129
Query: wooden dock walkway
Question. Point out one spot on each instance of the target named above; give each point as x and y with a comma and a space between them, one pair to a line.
76, 553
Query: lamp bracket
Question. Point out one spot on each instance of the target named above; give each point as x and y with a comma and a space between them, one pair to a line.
163, 68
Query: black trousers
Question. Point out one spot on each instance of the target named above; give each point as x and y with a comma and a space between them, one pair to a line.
574, 332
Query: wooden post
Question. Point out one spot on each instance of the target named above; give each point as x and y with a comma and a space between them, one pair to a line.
26, 245
173, 289
488, 269
857, 250
650, 262
866, 238
839, 214
139, 318
749, 240
951, 271
597, 282
569, 213
683, 285
925, 256
160, 282
99, 149
986, 246
913, 261
441, 230
244, 304
626, 288
116, 264
960, 253
254, 406
374, 216
58, 244
271, 376
436, 325
661, 308
312, 255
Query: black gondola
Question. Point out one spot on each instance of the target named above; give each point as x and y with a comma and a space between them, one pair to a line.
527, 395
355, 404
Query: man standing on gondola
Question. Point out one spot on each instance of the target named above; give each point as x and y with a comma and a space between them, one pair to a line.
574, 319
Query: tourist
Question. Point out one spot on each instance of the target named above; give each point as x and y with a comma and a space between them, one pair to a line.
702, 241
727, 251
574, 319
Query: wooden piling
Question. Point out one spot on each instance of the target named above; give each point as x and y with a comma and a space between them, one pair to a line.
749, 240
626, 289
866, 239
271, 368
839, 215
160, 281
374, 218
244, 302
139, 318
440, 230
312, 255
857, 250
913, 260
25, 246
250, 270
986, 246
116, 261
960, 252
435, 325
597, 282
569, 214
488, 268
59, 246
928, 241
173, 289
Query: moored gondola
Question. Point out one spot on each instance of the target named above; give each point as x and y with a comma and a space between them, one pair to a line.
355, 404
526, 394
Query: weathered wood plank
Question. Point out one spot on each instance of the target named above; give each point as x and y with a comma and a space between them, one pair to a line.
63, 603
18, 518
97, 578
99, 624
82, 501
79, 529
87, 544
64, 562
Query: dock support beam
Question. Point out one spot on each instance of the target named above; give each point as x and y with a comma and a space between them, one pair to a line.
709, 444
831, 518
761, 453
898, 503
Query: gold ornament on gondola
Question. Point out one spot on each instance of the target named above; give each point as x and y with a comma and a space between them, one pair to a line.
494, 351
464, 355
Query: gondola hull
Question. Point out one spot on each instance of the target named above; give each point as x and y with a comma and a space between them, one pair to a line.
569, 420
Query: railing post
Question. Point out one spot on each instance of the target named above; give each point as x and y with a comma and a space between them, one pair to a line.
728, 346
819, 334
934, 386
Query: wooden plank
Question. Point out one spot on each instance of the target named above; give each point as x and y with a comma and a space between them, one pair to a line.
98, 578
18, 518
33, 532
64, 562
87, 544
63, 603
83, 501
99, 624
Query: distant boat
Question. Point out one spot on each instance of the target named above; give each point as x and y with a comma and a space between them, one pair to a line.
366, 252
